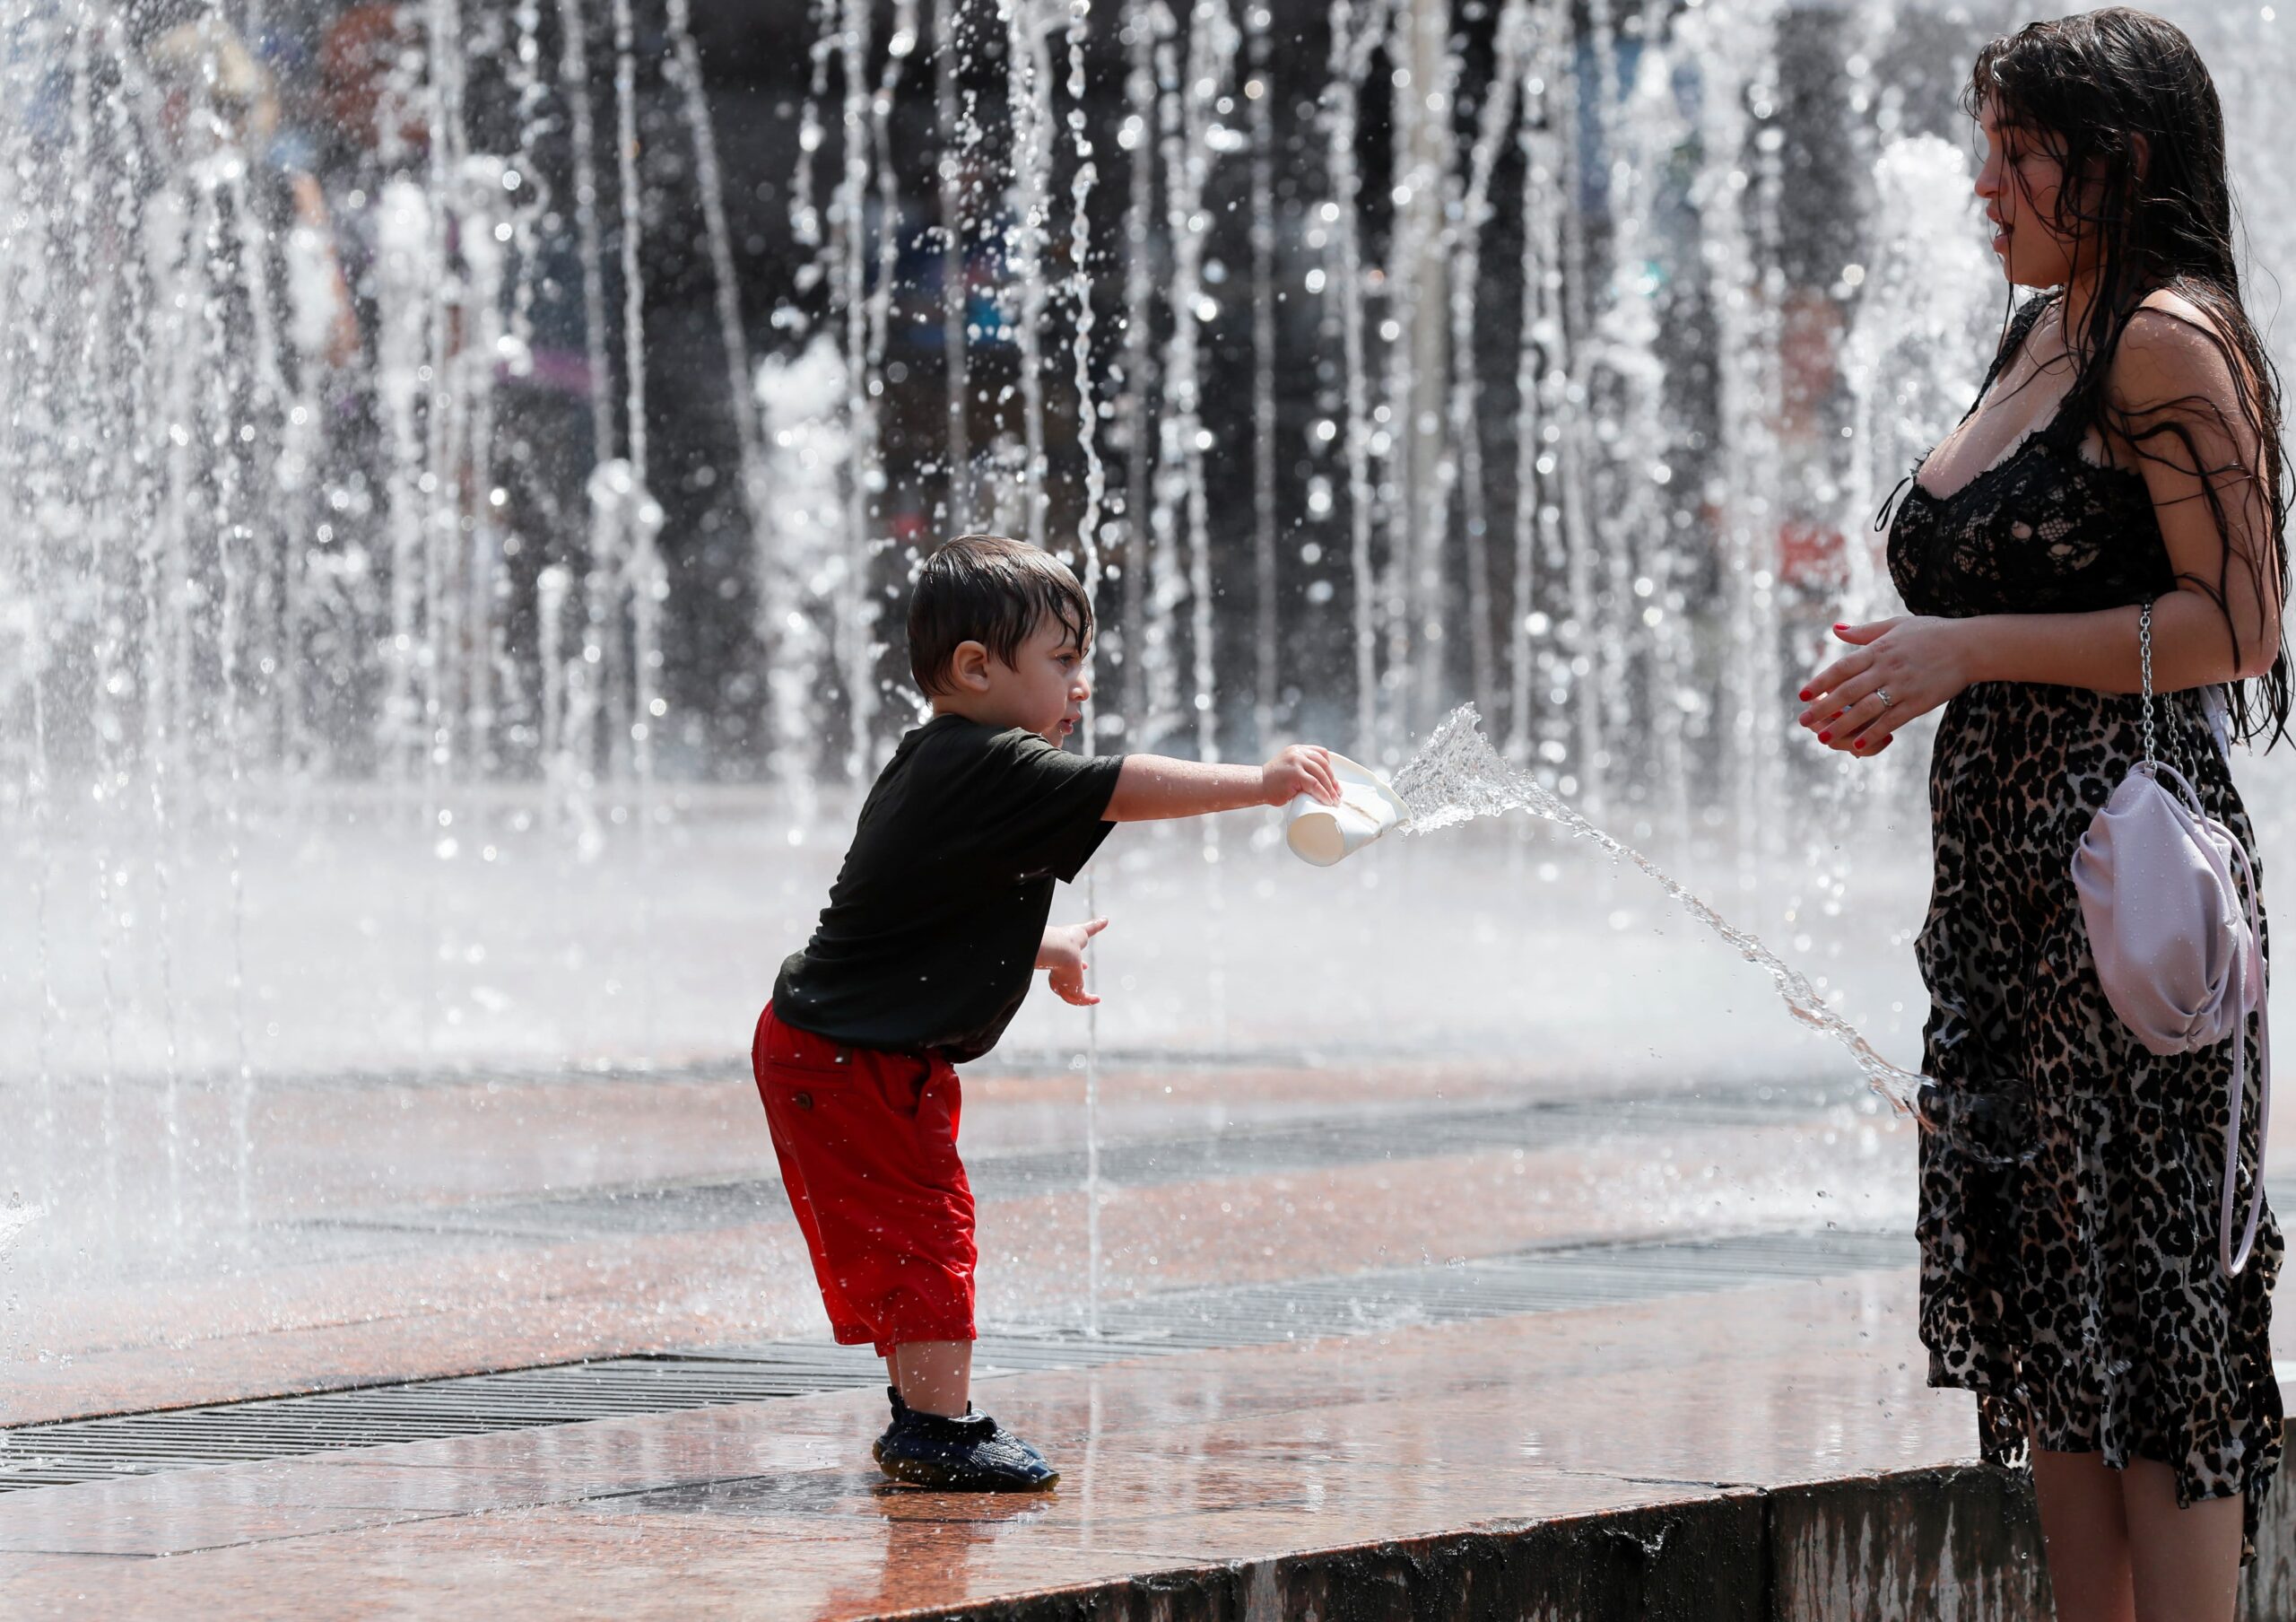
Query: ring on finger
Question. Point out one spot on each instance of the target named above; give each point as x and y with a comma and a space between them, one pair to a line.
1884, 694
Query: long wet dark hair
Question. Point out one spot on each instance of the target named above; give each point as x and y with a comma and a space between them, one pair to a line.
2085, 89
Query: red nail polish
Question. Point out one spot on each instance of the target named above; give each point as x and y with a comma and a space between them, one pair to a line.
1825, 737
1860, 744
1805, 695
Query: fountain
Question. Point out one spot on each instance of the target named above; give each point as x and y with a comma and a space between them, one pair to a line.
397, 688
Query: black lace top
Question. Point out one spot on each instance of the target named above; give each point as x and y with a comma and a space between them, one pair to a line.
2045, 531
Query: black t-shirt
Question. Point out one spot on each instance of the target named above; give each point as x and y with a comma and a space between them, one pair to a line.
931, 928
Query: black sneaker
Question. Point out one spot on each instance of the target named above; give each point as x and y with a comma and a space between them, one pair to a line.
901, 1410
974, 1454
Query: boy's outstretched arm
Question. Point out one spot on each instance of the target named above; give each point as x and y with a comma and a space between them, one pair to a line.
1152, 788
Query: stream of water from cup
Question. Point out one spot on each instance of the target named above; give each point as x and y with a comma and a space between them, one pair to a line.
1457, 776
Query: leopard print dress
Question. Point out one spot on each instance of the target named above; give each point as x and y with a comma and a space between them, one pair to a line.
2068, 1208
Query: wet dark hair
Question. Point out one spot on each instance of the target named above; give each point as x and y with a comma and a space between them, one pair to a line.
985, 588
2122, 96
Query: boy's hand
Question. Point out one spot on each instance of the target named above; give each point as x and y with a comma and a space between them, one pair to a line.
1062, 951
1302, 769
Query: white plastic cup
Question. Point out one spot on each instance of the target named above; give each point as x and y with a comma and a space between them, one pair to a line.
1324, 834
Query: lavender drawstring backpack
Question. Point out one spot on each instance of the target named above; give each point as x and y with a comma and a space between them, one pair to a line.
2170, 904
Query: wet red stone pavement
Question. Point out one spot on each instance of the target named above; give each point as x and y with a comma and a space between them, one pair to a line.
1210, 1468
309, 1314
773, 1511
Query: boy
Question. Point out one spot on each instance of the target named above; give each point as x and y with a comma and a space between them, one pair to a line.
923, 956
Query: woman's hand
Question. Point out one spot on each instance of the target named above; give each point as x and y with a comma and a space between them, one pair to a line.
1062, 951
1919, 661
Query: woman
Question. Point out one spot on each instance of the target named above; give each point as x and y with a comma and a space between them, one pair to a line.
2124, 449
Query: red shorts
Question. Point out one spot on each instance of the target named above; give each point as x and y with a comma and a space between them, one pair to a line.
867, 1142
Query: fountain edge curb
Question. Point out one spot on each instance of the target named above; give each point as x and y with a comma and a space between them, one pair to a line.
1959, 1539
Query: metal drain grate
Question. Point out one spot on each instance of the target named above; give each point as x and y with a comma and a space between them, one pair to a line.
1179, 1321
1498, 1288
1392, 1298
1415, 1135
734, 1068
135, 1445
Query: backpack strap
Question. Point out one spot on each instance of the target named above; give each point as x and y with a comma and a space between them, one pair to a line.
2251, 971
2223, 851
